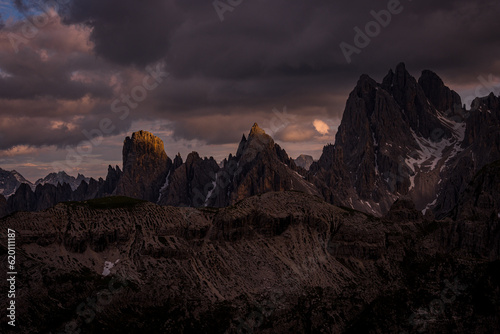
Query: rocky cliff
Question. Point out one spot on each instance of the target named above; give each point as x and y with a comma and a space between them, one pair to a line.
481, 146
404, 137
109, 185
480, 201
259, 166
4, 207
190, 183
145, 167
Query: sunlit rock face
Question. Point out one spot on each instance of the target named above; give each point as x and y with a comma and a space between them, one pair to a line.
145, 166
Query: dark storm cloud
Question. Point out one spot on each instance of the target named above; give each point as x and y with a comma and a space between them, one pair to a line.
53, 90
127, 31
269, 53
264, 42
49, 66
224, 75
42, 131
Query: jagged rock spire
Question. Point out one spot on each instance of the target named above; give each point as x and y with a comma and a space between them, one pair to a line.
145, 166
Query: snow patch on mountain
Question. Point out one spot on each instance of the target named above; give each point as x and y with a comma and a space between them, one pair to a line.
430, 205
10, 181
430, 153
164, 187
107, 267
214, 185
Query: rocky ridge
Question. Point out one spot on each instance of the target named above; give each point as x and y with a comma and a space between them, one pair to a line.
61, 178
407, 138
401, 138
273, 263
10, 181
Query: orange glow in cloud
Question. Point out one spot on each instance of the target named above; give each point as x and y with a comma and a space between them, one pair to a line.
18, 150
321, 126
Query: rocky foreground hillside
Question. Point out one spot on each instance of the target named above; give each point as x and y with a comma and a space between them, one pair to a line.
281, 262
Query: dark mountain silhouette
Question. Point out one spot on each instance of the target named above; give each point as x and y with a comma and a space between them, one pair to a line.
399, 138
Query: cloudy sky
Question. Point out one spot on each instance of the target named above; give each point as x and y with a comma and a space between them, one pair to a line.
77, 76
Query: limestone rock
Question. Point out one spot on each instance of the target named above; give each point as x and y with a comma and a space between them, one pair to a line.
145, 166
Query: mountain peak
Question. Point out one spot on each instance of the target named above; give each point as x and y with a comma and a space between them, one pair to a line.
61, 177
256, 130
366, 79
241, 146
488, 102
141, 133
143, 142
305, 161
443, 98
401, 67
399, 78
144, 158
10, 182
257, 140
144, 136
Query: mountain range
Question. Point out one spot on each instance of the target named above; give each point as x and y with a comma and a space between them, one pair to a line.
399, 138
11, 180
394, 229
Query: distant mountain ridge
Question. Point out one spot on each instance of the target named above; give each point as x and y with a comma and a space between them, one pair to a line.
10, 181
305, 161
61, 178
399, 138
